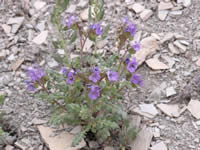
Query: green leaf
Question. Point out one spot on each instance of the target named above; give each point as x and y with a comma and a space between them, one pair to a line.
74, 37
65, 28
92, 36
131, 51
2, 99
105, 32
58, 58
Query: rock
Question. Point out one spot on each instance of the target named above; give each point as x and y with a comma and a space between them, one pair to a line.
138, 111
71, 9
17, 20
76, 130
135, 121
148, 46
109, 148
171, 110
159, 146
20, 146
165, 5
101, 44
169, 36
87, 45
11, 57
156, 132
39, 4
93, 145
184, 42
173, 49
84, 15
148, 108
9, 147
155, 64
179, 45
143, 140
52, 63
162, 14
170, 91
61, 141
41, 26
6, 28
137, 7
146, 14
82, 3
197, 62
61, 51
193, 107
137, 36
176, 12
187, 3
41, 38
2, 54
17, 64
36, 121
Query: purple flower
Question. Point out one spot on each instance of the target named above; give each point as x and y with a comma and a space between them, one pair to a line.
71, 21
127, 60
95, 76
136, 46
132, 65
36, 73
31, 86
70, 77
130, 27
136, 79
96, 69
94, 92
97, 27
112, 75
64, 70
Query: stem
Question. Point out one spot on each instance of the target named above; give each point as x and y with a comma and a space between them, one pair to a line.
54, 101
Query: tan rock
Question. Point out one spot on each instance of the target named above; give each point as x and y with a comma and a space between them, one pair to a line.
149, 46
146, 14
138, 8
84, 15
159, 146
17, 64
155, 64
171, 110
165, 5
143, 140
41, 38
6, 28
194, 107
62, 141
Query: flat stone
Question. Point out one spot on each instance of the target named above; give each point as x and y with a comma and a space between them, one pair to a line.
165, 5
9, 147
159, 146
6, 28
109, 148
52, 63
193, 107
61, 51
171, 110
173, 49
76, 130
162, 14
169, 36
82, 3
101, 44
155, 64
156, 132
149, 46
41, 26
71, 9
143, 140
20, 146
84, 15
187, 3
137, 7
39, 4
176, 12
93, 145
170, 91
146, 14
61, 141
17, 64
87, 45
180, 46
149, 108
11, 57
41, 38
2, 54
17, 20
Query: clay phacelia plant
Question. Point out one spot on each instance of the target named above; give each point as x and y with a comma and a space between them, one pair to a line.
90, 88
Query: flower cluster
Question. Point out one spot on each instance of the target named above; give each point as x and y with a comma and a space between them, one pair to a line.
71, 21
129, 26
36, 74
97, 27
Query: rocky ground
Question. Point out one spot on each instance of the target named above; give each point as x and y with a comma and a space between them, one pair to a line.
169, 33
